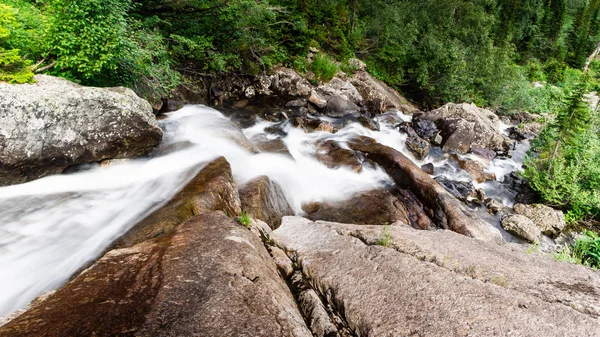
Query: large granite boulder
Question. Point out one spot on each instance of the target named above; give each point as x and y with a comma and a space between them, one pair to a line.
549, 221
375, 207
377, 96
265, 200
52, 124
212, 277
448, 212
522, 227
399, 281
464, 126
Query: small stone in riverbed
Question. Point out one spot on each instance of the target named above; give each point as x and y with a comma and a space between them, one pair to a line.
428, 168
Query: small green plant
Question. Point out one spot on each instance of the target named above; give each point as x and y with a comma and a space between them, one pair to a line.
533, 248
386, 237
566, 254
324, 67
244, 219
587, 249
349, 68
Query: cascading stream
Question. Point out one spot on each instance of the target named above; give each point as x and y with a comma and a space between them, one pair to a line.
51, 227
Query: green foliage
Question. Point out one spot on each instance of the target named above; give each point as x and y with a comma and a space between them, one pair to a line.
324, 67
244, 219
566, 167
87, 37
585, 251
386, 238
13, 68
146, 65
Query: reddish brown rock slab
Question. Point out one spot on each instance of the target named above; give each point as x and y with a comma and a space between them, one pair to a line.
265, 200
213, 277
439, 283
212, 189
448, 212
375, 207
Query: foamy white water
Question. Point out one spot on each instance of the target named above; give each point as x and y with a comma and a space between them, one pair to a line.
51, 227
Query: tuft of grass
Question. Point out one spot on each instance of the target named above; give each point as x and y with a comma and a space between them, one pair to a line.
244, 219
386, 238
324, 67
533, 248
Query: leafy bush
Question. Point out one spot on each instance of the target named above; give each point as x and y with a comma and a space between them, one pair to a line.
587, 249
13, 68
87, 37
324, 67
146, 65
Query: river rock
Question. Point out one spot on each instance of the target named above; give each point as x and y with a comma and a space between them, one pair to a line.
425, 128
550, 221
265, 200
52, 124
473, 168
521, 226
448, 212
264, 144
317, 99
331, 154
338, 106
212, 277
212, 189
464, 126
338, 87
442, 283
375, 207
377, 96
461, 190
428, 168
416, 145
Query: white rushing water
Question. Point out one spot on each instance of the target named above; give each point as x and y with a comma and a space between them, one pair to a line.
51, 227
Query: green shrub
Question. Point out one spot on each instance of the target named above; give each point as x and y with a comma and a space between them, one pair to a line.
146, 65
324, 67
13, 68
87, 37
587, 249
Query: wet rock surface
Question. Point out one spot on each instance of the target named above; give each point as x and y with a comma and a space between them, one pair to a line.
448, 212
212, 189
465, 286
265, 200
212, 277
52, 124
416, 145
376, 207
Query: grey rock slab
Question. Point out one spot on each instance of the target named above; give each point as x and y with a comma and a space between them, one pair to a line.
52, 124
439, 283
